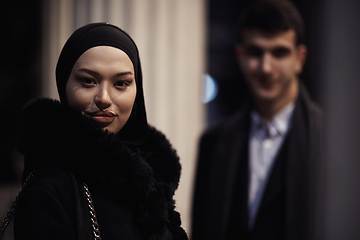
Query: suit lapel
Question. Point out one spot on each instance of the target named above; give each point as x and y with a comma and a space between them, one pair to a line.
276, 183
234, 146
303, 158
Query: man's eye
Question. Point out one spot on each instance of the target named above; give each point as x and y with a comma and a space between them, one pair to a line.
254, 52
281, 52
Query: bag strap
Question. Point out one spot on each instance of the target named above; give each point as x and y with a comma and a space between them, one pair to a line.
84, 211
11, 212
83, 227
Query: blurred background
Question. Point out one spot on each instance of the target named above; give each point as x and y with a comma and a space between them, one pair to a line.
191, 80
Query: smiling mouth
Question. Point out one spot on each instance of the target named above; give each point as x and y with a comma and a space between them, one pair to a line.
266, 82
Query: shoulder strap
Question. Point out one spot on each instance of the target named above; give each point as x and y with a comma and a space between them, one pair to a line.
11, 212
85, 231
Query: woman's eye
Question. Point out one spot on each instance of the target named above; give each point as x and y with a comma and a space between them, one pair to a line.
88, 82
122, 84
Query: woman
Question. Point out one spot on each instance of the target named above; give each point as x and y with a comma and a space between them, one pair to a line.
99, 136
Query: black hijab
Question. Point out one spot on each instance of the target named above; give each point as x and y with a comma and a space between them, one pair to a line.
104, 34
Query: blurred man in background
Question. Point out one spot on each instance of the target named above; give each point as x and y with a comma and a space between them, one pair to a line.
257, 171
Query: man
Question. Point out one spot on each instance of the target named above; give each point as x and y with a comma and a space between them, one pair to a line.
258, 171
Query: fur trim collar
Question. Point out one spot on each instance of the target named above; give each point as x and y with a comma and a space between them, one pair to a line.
53, 134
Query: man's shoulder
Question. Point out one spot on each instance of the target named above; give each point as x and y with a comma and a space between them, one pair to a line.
313, 108
227, 126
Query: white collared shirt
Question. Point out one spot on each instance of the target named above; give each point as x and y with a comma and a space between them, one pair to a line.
264, 144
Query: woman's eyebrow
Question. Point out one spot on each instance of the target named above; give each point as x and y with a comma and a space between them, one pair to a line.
91, 72
124, 73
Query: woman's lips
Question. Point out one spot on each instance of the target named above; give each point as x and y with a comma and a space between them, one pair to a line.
104, 118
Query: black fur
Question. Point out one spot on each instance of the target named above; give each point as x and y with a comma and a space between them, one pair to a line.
56, 135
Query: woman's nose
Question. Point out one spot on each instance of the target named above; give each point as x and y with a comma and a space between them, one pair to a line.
102, 98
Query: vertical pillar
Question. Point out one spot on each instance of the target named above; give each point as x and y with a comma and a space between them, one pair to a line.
340, 53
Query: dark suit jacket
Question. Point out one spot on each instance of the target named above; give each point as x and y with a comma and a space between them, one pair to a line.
288, 209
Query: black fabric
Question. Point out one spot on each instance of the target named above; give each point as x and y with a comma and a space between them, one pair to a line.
42, 210
288, 209
270, 221
83, 217
104, 34
219, 152
132, 186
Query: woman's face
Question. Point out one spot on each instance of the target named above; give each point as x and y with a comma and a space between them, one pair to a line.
102, 86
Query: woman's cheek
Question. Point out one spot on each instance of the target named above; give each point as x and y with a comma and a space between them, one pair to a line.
81, 100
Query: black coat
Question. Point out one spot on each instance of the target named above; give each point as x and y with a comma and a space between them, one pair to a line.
132, 186
287, 211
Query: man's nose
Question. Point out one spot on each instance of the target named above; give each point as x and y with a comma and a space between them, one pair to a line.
102, 98
266, 64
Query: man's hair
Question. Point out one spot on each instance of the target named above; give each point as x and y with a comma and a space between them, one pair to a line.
272, 16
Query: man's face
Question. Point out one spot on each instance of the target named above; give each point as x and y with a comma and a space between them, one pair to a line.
270, 63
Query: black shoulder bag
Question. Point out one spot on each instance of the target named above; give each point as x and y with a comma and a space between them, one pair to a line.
84, 211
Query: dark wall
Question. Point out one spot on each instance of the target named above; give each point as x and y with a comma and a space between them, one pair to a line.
221, 61
19, 74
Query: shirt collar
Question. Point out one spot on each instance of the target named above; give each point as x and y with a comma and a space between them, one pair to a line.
280, 123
